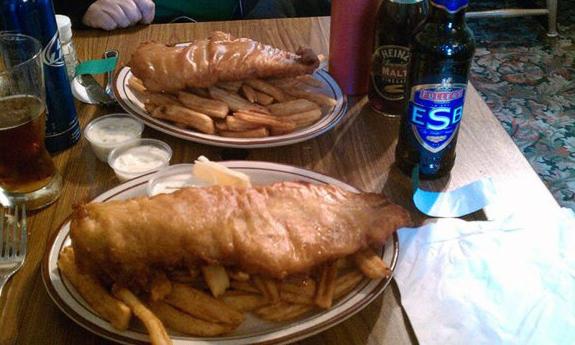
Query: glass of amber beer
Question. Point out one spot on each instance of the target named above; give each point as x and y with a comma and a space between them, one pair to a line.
27, 172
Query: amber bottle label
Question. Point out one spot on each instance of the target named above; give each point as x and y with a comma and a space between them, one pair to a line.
389, 71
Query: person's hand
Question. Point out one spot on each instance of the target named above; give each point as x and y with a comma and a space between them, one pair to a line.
113, 14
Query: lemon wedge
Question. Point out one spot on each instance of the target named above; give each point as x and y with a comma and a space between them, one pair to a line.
218, 174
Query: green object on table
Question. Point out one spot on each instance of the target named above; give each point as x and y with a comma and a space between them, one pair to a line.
97, 66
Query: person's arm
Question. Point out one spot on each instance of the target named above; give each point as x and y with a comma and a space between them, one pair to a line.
75, 9
106, 14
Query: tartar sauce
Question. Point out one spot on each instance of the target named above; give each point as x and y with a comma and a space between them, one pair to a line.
114, 130
138, 160
108, 132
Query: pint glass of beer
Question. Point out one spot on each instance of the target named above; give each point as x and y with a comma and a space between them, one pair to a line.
27, 172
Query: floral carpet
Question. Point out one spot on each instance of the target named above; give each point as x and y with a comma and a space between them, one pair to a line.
528, 81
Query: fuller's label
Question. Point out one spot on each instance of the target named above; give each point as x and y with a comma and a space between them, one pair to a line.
451, 6
389, 71
435, 112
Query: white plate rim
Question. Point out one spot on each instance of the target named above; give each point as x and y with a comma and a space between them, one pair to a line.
127, 100
315, 323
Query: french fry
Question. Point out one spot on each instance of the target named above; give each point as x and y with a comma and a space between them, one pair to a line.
265, 120
309, 80
182, 322
282, 311
156, 330
184, 276
249, 93
202, 305
150, 108
236, 274
262, 111
243, 301
283, 82
136, 85
216, 278
235, 102
345, 263
295, 106
268, 287
232, 86
303, 119
194, 271
346, 282
109, 308
160, 286
296, 298
268, 88
235, 124
221, 125
326, 286
316, 97
159, 99
260, 132
200, 92
210, 107
263, 99
370, 264
275, 131
158, 111
244, 286
305, 286
187, 117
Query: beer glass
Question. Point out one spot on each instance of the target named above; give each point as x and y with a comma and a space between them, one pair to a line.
27, 172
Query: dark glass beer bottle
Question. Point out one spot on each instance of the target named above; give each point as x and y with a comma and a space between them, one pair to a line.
437, 79
397, 21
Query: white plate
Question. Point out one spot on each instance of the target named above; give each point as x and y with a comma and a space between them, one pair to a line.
130, 102
253, 330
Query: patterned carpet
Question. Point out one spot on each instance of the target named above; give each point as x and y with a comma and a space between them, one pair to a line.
528, 81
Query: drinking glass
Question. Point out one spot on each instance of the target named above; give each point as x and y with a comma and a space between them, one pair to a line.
27, 172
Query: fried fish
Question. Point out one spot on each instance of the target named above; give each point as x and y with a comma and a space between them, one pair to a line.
274, 230
219, 58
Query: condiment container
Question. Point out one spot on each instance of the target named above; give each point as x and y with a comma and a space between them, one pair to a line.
65, 31
139, 157
107, 132
351, 43
172, 178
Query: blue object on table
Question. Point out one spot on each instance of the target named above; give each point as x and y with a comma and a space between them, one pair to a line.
36, 18
456, 203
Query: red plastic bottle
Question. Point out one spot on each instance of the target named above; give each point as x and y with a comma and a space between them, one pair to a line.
351, 43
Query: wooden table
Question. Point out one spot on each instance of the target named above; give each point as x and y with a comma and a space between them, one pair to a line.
358, 151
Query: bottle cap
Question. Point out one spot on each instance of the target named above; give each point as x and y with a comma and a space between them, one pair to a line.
64, 27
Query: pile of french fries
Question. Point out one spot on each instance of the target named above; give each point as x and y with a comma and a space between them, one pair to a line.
211, 299
241, 109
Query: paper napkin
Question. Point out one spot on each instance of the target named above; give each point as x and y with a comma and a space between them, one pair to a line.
508, 281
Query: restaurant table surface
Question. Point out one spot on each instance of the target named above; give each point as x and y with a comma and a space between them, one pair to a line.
359, 151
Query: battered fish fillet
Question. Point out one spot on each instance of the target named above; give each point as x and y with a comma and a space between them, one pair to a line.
275, 230
219, 58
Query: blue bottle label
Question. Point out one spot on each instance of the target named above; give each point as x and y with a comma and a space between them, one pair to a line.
435, 111
451, 6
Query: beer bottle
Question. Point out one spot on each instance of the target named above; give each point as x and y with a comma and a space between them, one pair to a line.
437, 79
397, 21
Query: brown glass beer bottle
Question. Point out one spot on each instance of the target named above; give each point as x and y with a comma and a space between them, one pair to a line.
397, 21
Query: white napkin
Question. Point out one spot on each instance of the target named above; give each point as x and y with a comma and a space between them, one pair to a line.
507, 281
